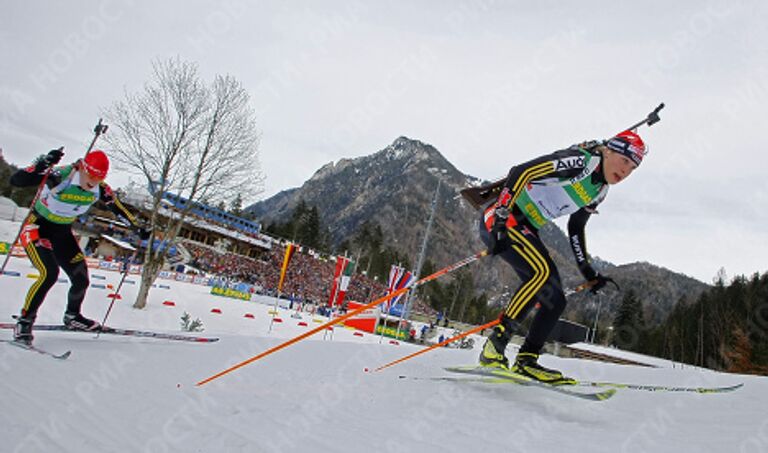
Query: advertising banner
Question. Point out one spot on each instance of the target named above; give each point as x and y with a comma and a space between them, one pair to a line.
229, 292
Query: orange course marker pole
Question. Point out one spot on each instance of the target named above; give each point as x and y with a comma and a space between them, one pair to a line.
354, 312
579, 288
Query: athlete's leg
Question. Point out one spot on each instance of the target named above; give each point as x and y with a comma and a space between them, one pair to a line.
72, 260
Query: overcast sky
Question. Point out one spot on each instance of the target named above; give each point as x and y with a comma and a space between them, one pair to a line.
488, 83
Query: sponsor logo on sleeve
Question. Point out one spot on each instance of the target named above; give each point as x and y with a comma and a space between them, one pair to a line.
577, 250
569, 163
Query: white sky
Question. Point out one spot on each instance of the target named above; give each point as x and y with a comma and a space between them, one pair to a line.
488, 83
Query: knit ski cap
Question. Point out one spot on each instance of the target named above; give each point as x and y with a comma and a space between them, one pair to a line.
628, 144
96, 164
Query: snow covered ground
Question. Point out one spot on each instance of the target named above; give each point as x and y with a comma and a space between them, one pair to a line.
119, 394
633, 356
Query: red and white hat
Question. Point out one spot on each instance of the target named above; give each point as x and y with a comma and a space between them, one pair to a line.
96, 164
628, 144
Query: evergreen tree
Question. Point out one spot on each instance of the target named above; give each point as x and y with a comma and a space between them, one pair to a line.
304, 227
628, 322
296, 221
236, 207
309, 230
5, 175
725, 329
21, 196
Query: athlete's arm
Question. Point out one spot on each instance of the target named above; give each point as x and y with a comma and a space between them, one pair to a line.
576, 226
113, 204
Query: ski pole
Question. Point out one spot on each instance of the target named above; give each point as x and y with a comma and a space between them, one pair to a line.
127, 265
350, 314
579, 288
97, 131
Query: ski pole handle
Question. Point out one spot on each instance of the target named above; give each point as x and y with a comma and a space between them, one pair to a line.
580, 288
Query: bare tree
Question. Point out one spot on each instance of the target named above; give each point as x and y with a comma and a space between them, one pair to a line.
187, 138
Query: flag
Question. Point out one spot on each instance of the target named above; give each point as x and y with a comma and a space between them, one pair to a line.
395, 273
341, 276
289, 250
405, 281
394, 276
346, 277
399, 278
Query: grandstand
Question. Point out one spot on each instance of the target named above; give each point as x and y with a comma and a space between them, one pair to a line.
213, 214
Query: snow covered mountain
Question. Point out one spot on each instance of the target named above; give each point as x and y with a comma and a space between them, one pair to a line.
393, 187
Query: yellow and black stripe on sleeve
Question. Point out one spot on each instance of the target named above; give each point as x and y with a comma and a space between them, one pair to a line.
123, 211
520, 177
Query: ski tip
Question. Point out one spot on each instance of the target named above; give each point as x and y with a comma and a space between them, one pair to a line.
602, 396
721, 389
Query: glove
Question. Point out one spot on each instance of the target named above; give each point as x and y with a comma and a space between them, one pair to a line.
144, 233
54, 156
500, 240
49, 160
599, 283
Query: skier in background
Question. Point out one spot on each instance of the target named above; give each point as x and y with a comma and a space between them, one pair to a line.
47, 237
571, 182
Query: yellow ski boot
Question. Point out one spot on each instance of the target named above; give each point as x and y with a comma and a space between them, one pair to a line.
527, 364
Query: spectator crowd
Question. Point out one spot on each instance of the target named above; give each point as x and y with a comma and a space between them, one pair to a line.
308, 280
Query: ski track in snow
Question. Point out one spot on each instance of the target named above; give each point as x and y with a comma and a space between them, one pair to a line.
123, 394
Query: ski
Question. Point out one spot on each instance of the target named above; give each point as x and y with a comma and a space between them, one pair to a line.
499, 376
661, 388
480, 379
503, 374
124, 332
63, 356
158, 335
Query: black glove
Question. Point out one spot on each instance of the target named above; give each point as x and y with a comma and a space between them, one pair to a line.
599, 283
49, 160
500, 240
144, 233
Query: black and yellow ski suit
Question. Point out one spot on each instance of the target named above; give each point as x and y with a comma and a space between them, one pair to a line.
567, 182
47, 237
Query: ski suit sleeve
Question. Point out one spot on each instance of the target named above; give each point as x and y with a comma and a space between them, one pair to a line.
520, 175
566, 163
576, 238
32, 176
113, 204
